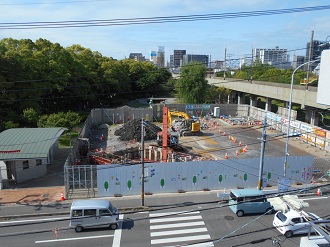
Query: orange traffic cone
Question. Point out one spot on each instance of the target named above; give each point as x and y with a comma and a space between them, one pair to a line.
220, 131
62, 197
226, 156
319, 192
246, 147
229, 137
240, 144
224, 134
235, 140
236, 153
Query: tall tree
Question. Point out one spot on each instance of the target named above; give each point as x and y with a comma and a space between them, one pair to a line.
192, 85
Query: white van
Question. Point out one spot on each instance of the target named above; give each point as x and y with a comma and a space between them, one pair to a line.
93, 213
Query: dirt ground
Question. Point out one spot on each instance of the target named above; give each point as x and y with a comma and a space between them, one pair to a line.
31, 196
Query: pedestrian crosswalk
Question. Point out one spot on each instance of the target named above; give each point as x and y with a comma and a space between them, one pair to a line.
178, 228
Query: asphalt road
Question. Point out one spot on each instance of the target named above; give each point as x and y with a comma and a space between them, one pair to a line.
170, 221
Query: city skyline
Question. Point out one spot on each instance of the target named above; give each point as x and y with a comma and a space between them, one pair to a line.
260, 28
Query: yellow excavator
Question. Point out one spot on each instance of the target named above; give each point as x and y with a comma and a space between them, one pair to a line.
184, 124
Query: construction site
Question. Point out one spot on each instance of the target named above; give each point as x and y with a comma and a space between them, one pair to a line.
171, 135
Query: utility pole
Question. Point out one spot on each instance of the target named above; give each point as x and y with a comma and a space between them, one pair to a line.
251, 73
224, 65
262, 153
142, 161
310, 54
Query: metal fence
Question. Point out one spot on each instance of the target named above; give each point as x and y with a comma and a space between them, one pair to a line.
82, 180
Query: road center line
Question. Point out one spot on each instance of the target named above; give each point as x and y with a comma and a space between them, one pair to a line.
70, 239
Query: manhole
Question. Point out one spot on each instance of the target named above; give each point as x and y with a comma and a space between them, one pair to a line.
227, 217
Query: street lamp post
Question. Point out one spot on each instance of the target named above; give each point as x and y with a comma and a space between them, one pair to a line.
289, 115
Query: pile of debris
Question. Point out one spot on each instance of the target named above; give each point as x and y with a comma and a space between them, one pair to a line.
132, 130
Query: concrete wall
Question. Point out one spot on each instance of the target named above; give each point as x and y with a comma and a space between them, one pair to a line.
33, 171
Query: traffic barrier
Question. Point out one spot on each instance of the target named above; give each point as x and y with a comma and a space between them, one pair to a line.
62, 197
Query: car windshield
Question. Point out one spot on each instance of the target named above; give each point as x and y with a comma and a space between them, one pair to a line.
281, 216
112, 209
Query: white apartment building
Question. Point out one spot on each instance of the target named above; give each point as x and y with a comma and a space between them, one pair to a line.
271, 56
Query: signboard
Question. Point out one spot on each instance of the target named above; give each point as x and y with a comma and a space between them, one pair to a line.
284, 185
198, 107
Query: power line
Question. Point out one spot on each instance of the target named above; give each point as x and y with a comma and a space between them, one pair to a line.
48, 3
156, 20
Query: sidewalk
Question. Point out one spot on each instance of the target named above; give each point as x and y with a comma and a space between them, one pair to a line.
30, 196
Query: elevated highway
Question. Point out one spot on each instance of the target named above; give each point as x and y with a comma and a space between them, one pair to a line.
270, 91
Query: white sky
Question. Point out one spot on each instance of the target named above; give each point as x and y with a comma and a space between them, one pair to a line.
211, 37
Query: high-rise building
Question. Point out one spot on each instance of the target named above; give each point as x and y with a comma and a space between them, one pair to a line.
153, 57
176, 58
160, 61
297, 61
317, 48
137, 57
204, 59
275, 57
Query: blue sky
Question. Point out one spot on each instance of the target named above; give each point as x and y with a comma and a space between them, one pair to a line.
211, 37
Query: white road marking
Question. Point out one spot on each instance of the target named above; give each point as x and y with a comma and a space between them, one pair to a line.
172, 213
164, 233
70, 239
35, 220
180, 239
208, 244
118, 231
197, 223
175, 219
315, 198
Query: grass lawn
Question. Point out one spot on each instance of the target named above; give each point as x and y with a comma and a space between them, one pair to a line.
64, 140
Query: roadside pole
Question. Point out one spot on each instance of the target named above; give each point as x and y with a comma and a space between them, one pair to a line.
262, 153
142, 162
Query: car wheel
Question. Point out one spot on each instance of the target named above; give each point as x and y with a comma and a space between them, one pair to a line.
240, 213
113, 226
288, 234
79, 228
269, 210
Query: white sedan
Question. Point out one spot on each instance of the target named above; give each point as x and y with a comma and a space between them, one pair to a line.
294, 222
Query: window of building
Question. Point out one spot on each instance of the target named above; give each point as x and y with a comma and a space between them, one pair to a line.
26, 164
38, 162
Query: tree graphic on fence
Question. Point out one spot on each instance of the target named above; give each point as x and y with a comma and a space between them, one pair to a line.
129, 184
106, 185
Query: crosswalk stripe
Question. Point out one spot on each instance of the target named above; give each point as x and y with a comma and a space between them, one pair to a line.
175, 219
204, 244
172, 213
180, 239
176, 232
196, 223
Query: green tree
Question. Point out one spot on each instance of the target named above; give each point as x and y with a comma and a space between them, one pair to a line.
216, 94
30, 116
192, 85
61, 119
